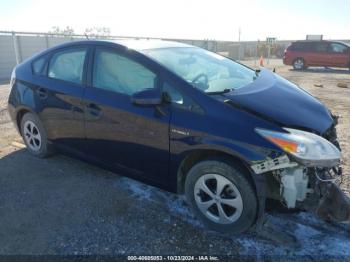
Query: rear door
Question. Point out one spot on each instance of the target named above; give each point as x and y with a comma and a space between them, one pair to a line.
339, 54
318, 54
127, 137
60, 91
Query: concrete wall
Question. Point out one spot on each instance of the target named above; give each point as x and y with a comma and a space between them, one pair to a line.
16, 47
7, 56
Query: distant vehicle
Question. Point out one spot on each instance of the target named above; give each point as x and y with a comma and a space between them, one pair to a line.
180, 118
302, 54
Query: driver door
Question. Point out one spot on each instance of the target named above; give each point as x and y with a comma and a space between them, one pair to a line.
128, 138
339, 54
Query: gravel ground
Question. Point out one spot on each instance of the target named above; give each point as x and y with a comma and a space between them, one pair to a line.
63, 206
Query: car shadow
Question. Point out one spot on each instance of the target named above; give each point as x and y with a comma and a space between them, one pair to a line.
326, 70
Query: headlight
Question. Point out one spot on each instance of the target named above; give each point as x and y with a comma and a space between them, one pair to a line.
307, 148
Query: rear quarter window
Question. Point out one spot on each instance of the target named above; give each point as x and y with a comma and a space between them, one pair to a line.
298, 46
39, 65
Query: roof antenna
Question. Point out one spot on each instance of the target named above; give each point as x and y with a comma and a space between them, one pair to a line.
87, 37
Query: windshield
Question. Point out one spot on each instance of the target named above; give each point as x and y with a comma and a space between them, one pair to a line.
205, 70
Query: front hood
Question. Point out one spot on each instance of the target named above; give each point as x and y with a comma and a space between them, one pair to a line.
276, 99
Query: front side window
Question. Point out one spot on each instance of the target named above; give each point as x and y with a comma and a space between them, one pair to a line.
205, 70
337, 48
117, 73
68, 65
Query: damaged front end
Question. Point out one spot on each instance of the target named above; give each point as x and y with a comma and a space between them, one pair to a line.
308, 176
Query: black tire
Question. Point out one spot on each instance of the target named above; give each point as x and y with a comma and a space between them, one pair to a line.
45, 149
299, 64
235, 174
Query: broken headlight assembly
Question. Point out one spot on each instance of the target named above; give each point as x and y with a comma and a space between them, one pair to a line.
306, 148
316, 162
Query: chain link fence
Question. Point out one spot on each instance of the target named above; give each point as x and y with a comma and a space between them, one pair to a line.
17, 46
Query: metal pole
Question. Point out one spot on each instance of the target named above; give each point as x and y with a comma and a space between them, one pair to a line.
16, 46
46, 41
256, 52
239, 43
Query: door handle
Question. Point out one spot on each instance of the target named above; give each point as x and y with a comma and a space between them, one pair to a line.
42, 93
94, 109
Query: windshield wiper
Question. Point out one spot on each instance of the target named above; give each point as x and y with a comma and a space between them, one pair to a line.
226, 90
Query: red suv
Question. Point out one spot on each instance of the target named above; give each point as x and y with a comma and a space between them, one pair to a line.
302, 54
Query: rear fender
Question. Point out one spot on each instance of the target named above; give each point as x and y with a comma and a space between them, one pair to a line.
23, 99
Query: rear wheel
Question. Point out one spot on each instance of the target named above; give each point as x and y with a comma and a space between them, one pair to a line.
299, 64
221, 196
34, 136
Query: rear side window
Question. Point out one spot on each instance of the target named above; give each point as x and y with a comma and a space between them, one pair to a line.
39, 66
120, 74
68, 65
320, 47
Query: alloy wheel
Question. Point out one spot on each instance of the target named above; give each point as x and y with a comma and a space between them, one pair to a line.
218, 198
32, 136
299, 64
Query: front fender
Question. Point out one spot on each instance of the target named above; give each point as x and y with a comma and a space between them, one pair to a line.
247, 154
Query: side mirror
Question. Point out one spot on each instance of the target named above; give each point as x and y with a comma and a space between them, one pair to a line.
147, 97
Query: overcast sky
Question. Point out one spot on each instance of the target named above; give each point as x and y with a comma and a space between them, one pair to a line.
195, 19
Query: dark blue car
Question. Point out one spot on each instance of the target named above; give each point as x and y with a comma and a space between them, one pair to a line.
181, 118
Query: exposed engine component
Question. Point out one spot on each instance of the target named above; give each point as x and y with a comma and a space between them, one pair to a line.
315, 190
294, 185
273, 164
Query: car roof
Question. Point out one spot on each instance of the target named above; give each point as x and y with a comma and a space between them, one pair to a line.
136, 44
318, 41
144, 44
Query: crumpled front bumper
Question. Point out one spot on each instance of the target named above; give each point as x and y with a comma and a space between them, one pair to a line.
311, 187
334, 205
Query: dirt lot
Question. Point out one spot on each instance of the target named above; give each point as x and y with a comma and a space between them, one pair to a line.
63, 206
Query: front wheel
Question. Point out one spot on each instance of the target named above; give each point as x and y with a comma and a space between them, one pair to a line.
34, 136
221, 196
